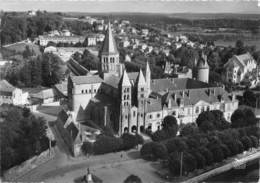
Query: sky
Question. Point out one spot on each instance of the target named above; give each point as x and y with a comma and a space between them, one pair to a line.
150, 6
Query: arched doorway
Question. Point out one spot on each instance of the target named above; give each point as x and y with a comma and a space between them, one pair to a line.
125, 130
134, 129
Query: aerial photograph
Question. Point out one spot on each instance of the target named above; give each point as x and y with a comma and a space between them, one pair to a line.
129, 91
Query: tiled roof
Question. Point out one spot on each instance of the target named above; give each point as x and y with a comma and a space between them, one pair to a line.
244, 58
109, 44
6, 87
166, 84
91, 79
112, 80
153, 105
193, 96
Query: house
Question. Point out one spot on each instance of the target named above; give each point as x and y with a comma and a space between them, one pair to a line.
12, 95
239, 68
145, 32
45, 39
91, 40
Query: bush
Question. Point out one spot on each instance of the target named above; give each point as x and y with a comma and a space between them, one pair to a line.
87, 148
200, 159
207, 155
255, 142
189, 130
106, 144
217, 152
247, 142
176, 144
147, 151
132, 179
225, 150
153, 151
129, 141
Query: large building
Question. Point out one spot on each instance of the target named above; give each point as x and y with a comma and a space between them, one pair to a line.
133, 101
239, 67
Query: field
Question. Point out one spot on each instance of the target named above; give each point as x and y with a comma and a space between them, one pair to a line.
20, 47
255, 43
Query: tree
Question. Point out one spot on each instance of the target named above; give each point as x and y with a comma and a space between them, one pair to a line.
247, 142
105, 144
176, 144
189, 130
147, 151
132, 179
207, 155
169, 122
200, 159
241, 118
22, 135
217, 152
255, 141
129, 141
160, 151
249, 98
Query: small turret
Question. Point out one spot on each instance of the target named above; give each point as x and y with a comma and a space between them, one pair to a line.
203, 69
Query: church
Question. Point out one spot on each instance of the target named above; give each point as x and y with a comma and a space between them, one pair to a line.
134, 102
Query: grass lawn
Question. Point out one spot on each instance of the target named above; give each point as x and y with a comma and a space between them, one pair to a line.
20, 47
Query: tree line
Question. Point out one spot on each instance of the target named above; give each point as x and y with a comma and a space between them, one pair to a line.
31, 71
209, 141
22, 135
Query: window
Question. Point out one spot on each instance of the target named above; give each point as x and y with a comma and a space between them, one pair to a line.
89, 90
82, 91
142, 95
158, 115
127, 96
150, 116
134, 113
208, 108
95, 90
142, 89
86, 91
174, 113
126, 116
141, 115
197, 110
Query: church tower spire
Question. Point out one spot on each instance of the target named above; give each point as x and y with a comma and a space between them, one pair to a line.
148, 78
109, 55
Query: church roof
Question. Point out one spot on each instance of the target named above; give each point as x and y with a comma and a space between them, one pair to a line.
112, 80
5, 86
109, 44
86, 79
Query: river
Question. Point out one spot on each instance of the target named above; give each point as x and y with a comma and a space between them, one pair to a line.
249, 173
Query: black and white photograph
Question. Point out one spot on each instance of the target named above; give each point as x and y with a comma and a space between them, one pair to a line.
130, 91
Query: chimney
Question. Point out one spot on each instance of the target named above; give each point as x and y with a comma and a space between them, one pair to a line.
182, 93
233, 97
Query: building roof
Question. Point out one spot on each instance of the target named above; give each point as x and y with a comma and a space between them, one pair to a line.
109, 44
112, 80
5, 86
244, 58
193, 96
89, 79
158, 85
153, 105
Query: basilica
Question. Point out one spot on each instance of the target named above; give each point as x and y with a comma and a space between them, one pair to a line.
134, 102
